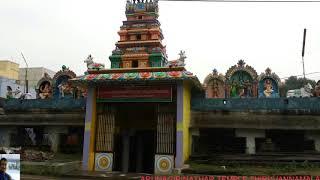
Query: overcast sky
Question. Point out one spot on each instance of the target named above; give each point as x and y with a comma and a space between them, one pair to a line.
52, 33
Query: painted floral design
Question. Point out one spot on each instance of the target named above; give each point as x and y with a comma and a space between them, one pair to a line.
91, 76
145, 75
175, 73
130, 75
135, 75
159, 74
116, 75
104, 76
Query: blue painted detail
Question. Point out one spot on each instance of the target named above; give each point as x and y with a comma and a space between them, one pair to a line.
140, 6
254, 104
56, 104
275, 88
61, 79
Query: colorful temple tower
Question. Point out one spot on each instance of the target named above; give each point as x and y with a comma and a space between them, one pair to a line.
140, 43
138, 111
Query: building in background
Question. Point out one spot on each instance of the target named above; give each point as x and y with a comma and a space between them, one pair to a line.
9, 69
9, 75
34, 75
14, 77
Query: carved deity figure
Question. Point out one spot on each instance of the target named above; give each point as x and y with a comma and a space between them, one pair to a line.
268, 89
45, 91
247, 88
233, 92
242, 92
64, 88
215, 88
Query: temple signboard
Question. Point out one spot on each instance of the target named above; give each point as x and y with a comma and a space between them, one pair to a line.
135, 94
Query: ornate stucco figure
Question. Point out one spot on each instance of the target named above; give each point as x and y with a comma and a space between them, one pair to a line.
178, 62
233, 91
241, 81
65, 88
268, 88
215, 89
242, 92
62, 86
247, 88
45, 91
214, 85
268, 84
44, 87
92, 65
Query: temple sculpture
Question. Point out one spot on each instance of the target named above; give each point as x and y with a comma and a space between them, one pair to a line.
214, 85
62, 87
44, 87
268, 84
93, 65
241, 81
180, 62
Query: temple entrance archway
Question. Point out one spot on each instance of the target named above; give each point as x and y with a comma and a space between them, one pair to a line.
131, 134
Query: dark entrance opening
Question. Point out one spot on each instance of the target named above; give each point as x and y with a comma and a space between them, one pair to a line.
135, 64
135, 140
220, 141
287, 140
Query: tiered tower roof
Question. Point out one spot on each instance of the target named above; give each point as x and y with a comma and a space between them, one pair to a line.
140, 43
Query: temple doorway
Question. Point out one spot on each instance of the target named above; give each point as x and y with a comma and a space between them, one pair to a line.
135, 137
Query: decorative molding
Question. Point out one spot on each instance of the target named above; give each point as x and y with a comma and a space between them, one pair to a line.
103, 162
46, 77
163, 164
269, 74
213, 75
64, 72
242, 67
175, 75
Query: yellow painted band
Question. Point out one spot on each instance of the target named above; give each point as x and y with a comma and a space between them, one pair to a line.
92, 132
87, 126
180, 126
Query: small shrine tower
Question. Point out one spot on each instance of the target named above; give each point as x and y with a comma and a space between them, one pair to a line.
140, 43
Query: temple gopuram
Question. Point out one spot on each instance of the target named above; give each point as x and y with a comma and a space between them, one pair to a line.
138, 111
